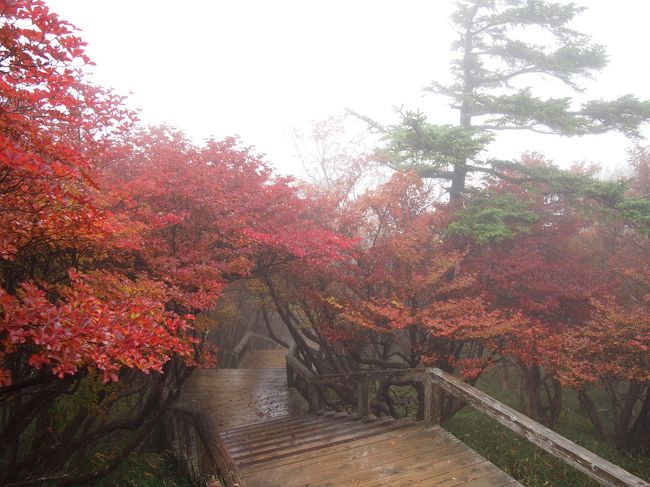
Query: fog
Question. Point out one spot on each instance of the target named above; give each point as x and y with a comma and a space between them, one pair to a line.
258, 68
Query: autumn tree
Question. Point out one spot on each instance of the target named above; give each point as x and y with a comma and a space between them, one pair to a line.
576, 271
66, 325
399, 300
121, 326
531, 255
523, 219
112, 239
609, 353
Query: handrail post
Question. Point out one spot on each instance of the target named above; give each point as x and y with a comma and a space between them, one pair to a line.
437, 402
363, 398
433, 395
291, 377
313, 396
429, 401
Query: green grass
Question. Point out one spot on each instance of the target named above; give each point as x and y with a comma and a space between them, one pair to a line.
527, 463
145, 470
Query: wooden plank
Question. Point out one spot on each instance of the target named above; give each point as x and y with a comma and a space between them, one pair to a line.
262, 359
406, 469
494, 478
429, 462
431, 466
372, 375
238, 355
424, 456
297, 423
346, 438
336, 456
235, 430
255, 425
604, 472
293, 436
261, 430
367, 461
234, 397
459, 475
314, 440
317, 455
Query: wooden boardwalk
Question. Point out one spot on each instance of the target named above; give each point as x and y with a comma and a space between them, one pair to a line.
334, 451
232, 397
264, 359
268, 439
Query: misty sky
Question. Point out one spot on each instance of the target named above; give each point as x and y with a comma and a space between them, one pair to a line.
259, 68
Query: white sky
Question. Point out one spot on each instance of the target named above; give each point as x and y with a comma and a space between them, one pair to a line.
258, 68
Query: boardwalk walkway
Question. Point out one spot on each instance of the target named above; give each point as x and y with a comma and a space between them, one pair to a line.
233, 397
341, 450
268, 439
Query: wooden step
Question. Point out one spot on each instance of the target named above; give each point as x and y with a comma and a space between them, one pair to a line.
291, 432
339, 433
340, 450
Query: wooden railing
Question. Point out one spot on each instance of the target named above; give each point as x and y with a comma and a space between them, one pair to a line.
230, 359
191, 440
435, 384
312, 386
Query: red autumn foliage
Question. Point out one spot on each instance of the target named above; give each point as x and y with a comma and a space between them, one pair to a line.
401, 298
105, 322
112, 239
409, 279
167, 223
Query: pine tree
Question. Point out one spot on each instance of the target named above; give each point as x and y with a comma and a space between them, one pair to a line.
491, 90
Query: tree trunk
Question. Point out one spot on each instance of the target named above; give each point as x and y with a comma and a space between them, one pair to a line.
625, 416
592, 413
639, 435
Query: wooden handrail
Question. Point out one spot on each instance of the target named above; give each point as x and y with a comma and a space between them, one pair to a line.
599, 469
362, 379
218, 458
248, 336
296, 367
387, 374
294, 363
435, 381
241, 348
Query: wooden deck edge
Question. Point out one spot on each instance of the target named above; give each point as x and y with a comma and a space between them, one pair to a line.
218, 456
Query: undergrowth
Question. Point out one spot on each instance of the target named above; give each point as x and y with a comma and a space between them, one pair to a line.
145, 470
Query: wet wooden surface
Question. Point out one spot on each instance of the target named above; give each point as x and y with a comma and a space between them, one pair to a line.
263, 359
271, 441
239, 396
333, 451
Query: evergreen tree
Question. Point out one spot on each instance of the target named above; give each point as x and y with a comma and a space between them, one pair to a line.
496, 62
